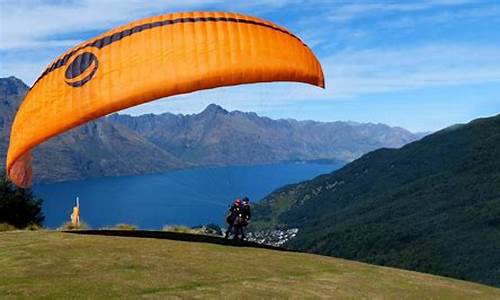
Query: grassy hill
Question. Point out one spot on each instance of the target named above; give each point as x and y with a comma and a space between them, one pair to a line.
50, 265
431, 206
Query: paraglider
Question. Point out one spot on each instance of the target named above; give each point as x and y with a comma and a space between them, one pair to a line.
149, 59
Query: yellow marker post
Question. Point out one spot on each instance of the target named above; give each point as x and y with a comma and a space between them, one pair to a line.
75, 216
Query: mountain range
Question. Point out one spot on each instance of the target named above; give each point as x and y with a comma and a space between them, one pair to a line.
125, 145
431, 206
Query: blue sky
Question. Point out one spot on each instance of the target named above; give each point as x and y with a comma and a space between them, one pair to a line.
422, 65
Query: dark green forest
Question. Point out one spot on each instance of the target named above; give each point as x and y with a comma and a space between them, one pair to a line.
19, 208
431, 206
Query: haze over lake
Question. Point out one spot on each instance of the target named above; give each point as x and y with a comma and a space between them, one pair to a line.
188, 197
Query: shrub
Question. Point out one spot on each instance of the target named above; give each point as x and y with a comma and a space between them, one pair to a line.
209, 229
19, 207
6, 227
33, 227
70, 226
123, 226
178, 228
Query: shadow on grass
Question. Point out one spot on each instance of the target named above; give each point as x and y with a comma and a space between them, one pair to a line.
177, 236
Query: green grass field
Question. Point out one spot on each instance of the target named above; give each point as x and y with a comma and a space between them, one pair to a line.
47, 264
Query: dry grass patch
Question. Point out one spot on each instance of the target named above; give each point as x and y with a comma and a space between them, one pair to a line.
180, 228
123, 226
71, 226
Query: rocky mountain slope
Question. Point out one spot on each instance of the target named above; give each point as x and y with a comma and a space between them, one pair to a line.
218, 137
125, 145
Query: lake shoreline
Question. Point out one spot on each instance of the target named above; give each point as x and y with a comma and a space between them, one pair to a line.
189, 197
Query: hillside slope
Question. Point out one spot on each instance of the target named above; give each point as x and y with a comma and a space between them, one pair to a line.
56, 265
431, 206
101, 148
126, 145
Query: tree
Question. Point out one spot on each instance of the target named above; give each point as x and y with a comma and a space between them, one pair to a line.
19, 207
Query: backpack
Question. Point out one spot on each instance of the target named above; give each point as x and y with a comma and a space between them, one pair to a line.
234, 210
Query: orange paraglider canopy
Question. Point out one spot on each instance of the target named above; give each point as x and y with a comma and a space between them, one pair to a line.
149, 59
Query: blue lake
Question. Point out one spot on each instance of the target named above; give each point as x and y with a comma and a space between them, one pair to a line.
188, 197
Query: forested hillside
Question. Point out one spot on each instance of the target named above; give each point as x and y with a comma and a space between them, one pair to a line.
431, 206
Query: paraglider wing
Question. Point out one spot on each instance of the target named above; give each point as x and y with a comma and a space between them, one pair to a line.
149, 59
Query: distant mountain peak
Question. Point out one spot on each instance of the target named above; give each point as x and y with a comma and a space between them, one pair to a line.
214, 109
12, 86
11, 78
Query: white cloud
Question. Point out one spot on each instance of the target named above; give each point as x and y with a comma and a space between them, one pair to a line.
347, 12
359, 72
490, 12
26, 23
